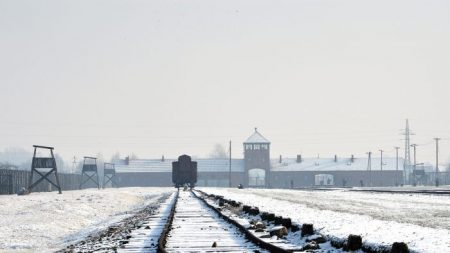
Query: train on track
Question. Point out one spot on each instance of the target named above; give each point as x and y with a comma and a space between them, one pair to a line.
184, 172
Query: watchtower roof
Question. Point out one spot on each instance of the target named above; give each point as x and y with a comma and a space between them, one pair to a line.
256, 137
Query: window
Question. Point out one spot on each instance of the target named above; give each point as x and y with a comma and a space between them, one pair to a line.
264, 146
248, 147
256, 146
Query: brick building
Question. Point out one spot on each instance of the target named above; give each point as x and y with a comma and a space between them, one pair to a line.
257, 169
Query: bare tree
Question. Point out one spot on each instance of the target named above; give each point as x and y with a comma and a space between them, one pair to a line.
63, 167
218, 151
115, 157
7, 166
19, 157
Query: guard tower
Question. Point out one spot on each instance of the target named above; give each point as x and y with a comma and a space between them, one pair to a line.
257, 160
90, 171
109, 174
41, 165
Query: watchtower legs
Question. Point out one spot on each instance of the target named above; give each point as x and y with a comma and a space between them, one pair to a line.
44, 163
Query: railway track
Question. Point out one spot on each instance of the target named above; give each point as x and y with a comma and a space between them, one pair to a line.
196, 227
187, 223
194, 221
146, 237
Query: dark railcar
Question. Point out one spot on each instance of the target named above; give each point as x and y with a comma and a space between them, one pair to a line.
184, 171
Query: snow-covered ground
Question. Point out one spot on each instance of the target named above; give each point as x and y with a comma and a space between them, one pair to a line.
407, 188
422, 221
45, 222
444, 189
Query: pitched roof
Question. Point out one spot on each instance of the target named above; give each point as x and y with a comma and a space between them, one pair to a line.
287, 164
256, 137
329, 164
203, 165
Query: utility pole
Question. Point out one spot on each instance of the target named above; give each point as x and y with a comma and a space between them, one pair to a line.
381, 167
396, 167
437, 160
74, 163
415, 162
369, 167
414, 151
381, 162
229, 174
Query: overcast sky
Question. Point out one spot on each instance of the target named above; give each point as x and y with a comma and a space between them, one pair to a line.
171, 77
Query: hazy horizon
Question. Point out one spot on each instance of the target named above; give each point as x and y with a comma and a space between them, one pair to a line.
170, 77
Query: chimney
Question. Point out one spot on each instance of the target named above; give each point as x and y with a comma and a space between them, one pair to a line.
335, 158
299, 158
281, 159
127, 160
162, 159
352, 159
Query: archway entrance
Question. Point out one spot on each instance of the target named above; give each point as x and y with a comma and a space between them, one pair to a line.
257, 177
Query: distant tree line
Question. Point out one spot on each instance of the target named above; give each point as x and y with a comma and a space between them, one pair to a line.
14, 158
20, 159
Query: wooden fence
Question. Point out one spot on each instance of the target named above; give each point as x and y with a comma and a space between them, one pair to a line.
11, 181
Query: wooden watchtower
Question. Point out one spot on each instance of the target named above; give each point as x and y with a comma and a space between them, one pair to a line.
89, 171
109, 174
44, 167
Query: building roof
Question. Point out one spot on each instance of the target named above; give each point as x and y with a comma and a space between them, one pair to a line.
256, 137
203, 165
329, 164
287, 164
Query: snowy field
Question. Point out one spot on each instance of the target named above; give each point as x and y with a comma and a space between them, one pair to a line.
408, 188
422, 221
45, 222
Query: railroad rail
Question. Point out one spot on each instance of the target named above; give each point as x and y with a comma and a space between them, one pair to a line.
147, 237
196, 226
194, 221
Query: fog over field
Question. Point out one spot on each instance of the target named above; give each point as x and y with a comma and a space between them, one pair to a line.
169, 77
